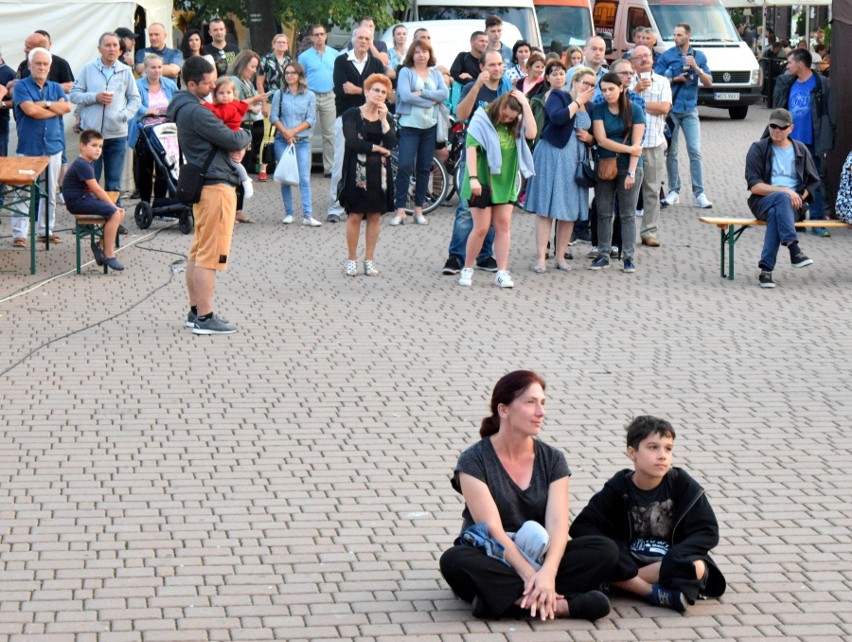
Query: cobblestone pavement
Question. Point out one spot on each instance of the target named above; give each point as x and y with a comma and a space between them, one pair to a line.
291, 482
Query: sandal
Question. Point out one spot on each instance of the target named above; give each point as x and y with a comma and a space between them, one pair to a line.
242, 217
420, 220
351, 268
370, 268
19, 241
539, 268
397, 220
563, 266
55, 239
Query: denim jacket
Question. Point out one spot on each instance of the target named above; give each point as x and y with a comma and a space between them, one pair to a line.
293, 109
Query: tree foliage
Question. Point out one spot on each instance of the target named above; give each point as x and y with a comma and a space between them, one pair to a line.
300, 12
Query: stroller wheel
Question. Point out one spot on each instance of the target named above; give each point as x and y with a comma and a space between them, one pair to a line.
186, 223
143, 215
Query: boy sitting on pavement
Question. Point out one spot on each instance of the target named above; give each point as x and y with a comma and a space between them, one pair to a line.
83, 195
782, 177
661, 520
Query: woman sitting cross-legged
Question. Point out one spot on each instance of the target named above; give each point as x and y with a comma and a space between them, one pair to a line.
513, 557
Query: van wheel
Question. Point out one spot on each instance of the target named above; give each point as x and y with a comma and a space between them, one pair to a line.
738, 113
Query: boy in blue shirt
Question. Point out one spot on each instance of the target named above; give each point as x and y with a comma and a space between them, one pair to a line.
661, 521
83, 195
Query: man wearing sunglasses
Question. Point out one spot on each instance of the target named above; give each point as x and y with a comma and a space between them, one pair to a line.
782, 178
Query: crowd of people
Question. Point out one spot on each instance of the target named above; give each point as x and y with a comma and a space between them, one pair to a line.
541, 116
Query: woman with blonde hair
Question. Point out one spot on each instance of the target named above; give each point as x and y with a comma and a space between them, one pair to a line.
241, 72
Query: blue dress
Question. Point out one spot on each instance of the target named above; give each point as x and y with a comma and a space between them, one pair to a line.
552, 192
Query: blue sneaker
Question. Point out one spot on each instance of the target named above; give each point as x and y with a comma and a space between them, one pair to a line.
821, 231
628, 266
600, 263
667, 598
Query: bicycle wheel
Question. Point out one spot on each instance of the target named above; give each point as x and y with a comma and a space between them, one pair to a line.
436, 190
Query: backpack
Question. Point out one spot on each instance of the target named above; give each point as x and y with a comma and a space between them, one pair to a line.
843, 206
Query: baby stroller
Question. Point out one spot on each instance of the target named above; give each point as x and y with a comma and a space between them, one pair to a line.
161, 139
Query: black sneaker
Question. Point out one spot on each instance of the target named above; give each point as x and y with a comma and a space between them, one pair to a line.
591, 606
122, 230
452, 266
213, 325
801, 260
765, 279
488, 265
667, 598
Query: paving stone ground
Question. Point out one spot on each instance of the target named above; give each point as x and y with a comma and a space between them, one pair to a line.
291, 482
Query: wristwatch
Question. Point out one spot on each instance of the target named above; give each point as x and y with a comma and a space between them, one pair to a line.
631, 174
47, 104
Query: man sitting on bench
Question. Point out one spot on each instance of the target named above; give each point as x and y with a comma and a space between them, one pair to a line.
781, 177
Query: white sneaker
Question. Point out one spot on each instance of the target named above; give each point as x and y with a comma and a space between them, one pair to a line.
504, 279
310, 221
287, 219
672, 198
60, 198
466, 278
640, 213
702, 201
351, 268
248, 189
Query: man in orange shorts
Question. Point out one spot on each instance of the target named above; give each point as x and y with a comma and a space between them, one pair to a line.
200, 133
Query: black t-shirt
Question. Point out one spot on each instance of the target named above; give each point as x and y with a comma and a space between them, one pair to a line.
485, 97
6, 74
465, 63
652, 521
222, 57
60, 70
515, 505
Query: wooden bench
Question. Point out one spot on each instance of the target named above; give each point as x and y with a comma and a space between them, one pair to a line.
92, 226
732, 228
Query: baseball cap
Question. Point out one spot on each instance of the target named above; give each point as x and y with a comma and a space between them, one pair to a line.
781, 118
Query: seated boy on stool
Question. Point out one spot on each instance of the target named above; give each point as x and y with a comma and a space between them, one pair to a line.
661, 521
83, 195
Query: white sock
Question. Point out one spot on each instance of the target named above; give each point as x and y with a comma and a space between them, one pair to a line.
248, 190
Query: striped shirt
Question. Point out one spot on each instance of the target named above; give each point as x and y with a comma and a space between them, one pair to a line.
660, 91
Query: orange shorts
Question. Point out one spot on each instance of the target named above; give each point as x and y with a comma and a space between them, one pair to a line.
214, 226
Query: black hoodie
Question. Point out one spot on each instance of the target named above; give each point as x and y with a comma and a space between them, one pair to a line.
695, 532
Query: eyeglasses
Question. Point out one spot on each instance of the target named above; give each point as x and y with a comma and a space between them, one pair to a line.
774, 126
587, 85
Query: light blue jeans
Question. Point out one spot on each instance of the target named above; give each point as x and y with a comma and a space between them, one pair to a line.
691, 127
303, 158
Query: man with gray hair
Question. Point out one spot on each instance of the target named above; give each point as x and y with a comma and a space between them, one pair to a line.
657, 93
39, 106
108, 98
351, 69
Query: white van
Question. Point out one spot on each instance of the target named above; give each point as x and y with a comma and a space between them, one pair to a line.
520, 13
736, 74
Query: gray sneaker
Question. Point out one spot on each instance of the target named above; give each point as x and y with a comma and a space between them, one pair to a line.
213, 325
190, 319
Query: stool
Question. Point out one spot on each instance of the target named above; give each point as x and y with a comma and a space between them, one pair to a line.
88, 225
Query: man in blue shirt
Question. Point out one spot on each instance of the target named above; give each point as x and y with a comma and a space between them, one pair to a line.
318, 62
781, 177
172, 58
685, 67
39, 106
808, 97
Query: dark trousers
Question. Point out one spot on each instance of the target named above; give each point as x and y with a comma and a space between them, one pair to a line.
148, 179
587, 562
593, 225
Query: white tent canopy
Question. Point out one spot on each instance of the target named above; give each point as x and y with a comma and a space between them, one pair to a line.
73, 25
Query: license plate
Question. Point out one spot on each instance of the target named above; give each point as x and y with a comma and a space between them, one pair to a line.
720, 95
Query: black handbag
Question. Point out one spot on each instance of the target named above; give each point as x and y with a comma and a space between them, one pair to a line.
483, 200
191, 180
267, 154
584, 175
